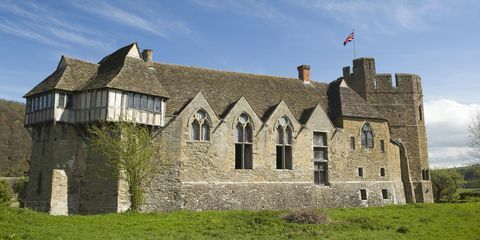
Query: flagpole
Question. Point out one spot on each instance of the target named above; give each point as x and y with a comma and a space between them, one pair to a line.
354, 50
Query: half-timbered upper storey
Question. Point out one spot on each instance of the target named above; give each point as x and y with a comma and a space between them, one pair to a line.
121, 85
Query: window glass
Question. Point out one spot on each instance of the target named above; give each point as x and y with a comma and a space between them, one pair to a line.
288, 135
279, 157
195, 131
49, 100
367, 136
61, 100
248, 152
130, 100
283, 121
369, 140
248, 133
363, 194
239, 156
157, 105
136, 101
69, 99
288, 157
200, 115
279, 134
318, 154
239, 133
205, 132
352, 142
320, 173
41, 101
143, 102
150, 104
384, 193
319, 139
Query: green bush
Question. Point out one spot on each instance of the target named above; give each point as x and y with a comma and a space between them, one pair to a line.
21, 189
6, 193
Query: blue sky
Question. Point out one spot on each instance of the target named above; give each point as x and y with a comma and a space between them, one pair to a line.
435, 39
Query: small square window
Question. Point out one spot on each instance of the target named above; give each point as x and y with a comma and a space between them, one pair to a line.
385, 193
61, 100
319, 139
360, 172
363, 194
382, 172
352, 143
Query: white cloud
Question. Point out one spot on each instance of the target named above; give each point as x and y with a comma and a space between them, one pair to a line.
447, 124
152, 24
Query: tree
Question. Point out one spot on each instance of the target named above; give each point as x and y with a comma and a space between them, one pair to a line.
474, 130
129, 150
5, 193
445, 183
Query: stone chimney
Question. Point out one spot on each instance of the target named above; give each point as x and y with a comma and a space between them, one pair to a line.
147, 56
346, 73
304, 73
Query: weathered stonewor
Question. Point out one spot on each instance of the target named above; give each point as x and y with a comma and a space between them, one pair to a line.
228, 140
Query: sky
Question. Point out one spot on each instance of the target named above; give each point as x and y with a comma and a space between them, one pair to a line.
436, 39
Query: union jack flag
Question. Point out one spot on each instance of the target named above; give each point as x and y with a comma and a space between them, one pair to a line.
349, 38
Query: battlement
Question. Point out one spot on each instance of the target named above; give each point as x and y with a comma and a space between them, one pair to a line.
403, 83
365, 79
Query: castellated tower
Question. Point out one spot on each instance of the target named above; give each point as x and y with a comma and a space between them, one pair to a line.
401, 103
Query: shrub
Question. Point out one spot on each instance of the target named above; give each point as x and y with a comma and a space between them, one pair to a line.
6, 193
402, 229
21, 189
307, 216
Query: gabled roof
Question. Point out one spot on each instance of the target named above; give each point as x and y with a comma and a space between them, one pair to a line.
222, 89
344, 101
123, 71
70, 75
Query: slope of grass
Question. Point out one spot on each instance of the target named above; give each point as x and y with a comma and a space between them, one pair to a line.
431, 221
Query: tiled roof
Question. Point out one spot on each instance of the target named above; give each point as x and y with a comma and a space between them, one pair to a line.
344, 101
180, 84
223, 88
70, 75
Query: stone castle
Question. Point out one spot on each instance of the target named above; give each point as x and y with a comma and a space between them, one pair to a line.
232, 140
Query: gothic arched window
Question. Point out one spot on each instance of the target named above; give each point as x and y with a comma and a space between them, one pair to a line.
284, 144
367, 136
200, 127
243, 143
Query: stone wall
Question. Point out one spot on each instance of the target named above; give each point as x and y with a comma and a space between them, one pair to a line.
201, 175
63, 148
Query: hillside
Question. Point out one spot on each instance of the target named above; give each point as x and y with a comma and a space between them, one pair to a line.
471, 175
15, 141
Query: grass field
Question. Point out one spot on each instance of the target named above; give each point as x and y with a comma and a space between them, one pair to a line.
421, 221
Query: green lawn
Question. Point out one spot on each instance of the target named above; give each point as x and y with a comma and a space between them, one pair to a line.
421, 221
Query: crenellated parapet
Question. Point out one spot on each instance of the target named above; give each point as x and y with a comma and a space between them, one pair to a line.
402, 83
